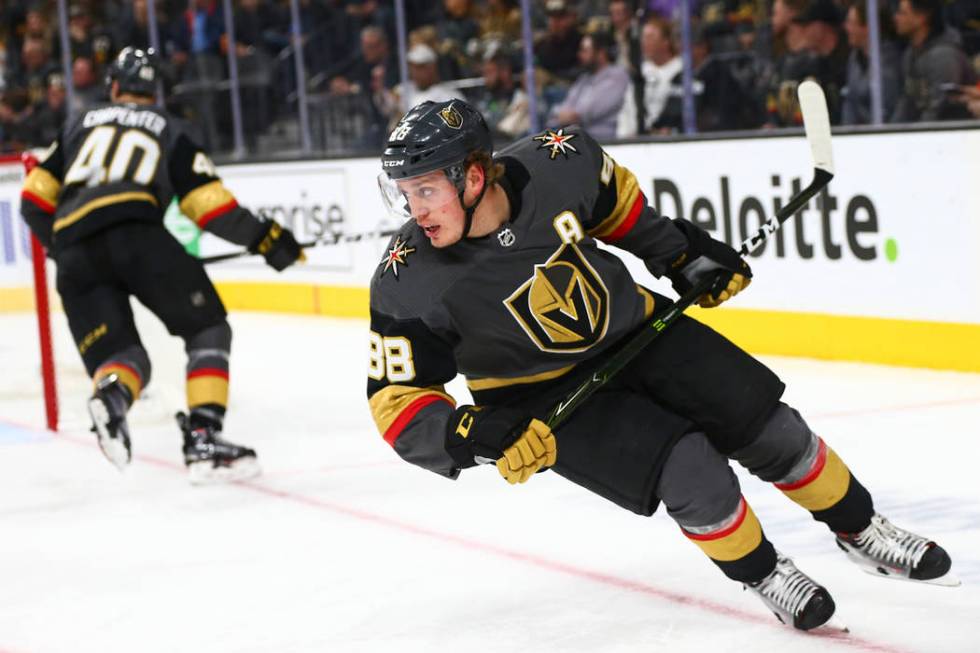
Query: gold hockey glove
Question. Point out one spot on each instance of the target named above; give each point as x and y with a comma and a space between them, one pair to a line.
706, 256
278, 246
520, 445
536, 448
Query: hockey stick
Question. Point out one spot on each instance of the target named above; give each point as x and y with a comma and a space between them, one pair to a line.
817, 125
337, 238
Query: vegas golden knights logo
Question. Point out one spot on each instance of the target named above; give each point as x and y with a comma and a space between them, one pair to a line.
564, 306
451, 117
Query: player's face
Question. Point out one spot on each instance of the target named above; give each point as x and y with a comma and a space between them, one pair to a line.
433, 202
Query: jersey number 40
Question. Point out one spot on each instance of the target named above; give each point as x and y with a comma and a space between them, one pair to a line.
101, 147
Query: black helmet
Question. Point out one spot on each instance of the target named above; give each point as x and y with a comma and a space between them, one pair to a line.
136, 71
434, 136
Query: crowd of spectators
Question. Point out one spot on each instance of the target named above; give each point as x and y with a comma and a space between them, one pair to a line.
613, 66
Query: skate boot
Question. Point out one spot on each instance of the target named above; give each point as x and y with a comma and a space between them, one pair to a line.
794, 597
883, 549
211, 459
107, 408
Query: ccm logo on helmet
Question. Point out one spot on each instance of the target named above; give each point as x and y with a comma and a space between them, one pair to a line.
392, 164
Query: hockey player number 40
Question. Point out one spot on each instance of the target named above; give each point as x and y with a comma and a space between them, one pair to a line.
391, 357
89, 167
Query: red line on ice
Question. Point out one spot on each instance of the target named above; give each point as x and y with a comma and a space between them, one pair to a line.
468, 544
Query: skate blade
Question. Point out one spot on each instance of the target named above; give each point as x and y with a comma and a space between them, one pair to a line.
833, 625
112, 447
946, 580
205, 473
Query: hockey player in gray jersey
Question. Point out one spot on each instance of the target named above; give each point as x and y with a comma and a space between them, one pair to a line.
497, 276
96, 201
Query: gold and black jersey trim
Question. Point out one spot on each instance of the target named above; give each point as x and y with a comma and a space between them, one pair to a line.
42, 188
101, 202
649, 303
207, 202
491, 383
394, 406
628, 202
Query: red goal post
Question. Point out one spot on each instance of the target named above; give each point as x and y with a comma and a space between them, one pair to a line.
42, 306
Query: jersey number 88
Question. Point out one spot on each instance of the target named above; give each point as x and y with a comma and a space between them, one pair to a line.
391, 357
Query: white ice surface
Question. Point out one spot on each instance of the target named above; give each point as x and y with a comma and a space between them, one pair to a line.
340, 546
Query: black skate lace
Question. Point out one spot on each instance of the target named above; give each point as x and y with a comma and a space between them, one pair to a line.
787, 587
891, 545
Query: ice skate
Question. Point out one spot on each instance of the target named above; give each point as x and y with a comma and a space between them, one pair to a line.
211, 459
795, 598
107, 408
885, 550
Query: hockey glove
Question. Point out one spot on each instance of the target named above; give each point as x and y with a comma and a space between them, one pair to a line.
521, 446
278, 246
706, 256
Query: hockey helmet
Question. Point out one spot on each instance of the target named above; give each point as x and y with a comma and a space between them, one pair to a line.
136, 71
431, 136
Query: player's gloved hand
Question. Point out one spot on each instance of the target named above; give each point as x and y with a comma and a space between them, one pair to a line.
520, 445
706, 256
278, 246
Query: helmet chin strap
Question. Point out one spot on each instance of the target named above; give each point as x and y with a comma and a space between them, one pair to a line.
470, 210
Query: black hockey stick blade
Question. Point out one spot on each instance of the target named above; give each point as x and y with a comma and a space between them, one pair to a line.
817, 125
335, 239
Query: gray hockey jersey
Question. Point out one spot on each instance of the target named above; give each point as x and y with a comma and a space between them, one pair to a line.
519, 307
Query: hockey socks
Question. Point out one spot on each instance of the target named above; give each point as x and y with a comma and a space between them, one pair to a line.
736, 544
822, 483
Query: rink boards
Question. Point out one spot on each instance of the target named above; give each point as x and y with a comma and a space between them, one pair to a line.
882, 267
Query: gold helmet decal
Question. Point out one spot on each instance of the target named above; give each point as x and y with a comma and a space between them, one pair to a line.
451, 117
564, 306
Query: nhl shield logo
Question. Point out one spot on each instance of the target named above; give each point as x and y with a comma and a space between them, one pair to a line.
452, 117
506, 237
564, 306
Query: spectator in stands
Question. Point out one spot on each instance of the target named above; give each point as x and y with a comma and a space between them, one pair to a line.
458, 33
32, 74
501, 21
423, 74
199, 29
258, 28
596, 98
792, 63
969, 96
964, 16
821, 21
49, 116
932, 63
647, 96
133, 26
857, 97
625, 31
36, 26
86, 41
557, 51
355, 74
720, 102
503, 104
87, 87
365, 81
16, 119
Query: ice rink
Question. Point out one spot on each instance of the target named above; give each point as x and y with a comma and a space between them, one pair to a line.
340, 546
